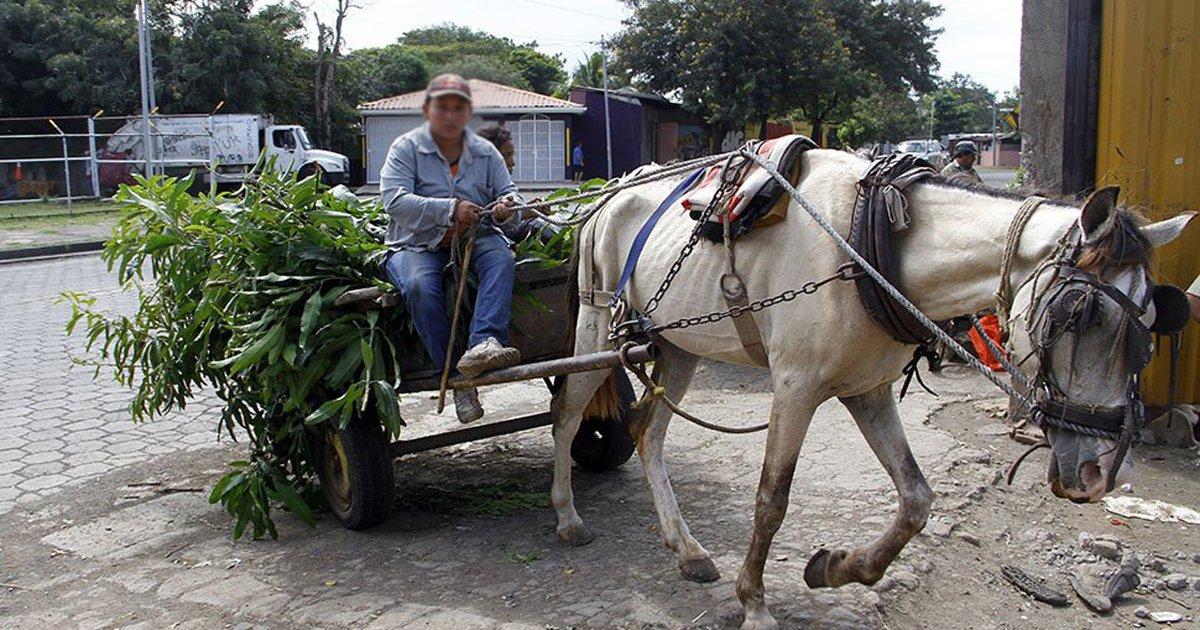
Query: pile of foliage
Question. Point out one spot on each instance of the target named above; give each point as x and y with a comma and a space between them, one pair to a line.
235, 293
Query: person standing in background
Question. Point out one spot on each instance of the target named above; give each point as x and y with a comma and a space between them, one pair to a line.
577, 161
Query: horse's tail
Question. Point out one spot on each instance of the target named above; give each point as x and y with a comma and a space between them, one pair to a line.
606, 403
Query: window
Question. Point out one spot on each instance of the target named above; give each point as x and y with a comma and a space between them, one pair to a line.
284, 139
541, 149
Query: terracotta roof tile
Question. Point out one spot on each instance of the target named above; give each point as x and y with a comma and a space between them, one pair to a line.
485, 95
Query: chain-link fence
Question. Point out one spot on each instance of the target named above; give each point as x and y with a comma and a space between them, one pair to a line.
67, 158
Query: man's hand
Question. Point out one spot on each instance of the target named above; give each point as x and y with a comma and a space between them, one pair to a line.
466, 214
504, 209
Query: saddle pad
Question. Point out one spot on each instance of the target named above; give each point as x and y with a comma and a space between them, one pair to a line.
759, 200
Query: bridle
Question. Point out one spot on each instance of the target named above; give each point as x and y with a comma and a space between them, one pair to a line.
1071, 303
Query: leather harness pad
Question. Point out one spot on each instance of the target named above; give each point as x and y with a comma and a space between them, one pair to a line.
871, 236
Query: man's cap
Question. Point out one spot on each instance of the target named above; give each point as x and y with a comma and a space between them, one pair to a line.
965, 146
448, 85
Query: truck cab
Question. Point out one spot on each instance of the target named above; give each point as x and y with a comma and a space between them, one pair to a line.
292, 151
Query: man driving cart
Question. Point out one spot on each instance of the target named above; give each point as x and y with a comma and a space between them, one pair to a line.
440, 180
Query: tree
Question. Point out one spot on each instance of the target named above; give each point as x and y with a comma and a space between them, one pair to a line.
375, 73
329, 50
734, 61
884, 116
67, 57
590, 73
273, 69
449, 46
493, 69
959, 105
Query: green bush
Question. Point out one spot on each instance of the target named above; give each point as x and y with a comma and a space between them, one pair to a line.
235, 293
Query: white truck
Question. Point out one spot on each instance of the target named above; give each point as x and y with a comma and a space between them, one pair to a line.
228, 145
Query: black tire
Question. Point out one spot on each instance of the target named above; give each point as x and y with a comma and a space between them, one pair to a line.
308, 170
355, 468
603, 444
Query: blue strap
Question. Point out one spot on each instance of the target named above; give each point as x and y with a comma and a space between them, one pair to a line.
643, 235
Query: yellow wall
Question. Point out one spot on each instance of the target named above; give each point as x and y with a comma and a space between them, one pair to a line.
1148, 143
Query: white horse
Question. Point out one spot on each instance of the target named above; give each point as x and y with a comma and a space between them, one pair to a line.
819, 346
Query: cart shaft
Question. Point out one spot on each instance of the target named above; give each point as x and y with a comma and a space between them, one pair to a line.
556, 367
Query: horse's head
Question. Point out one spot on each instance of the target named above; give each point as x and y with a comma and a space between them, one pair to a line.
1085, 335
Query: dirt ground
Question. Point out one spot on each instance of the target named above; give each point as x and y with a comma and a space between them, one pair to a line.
470, 541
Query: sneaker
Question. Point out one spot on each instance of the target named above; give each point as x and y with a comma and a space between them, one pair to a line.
467, 405
488, 355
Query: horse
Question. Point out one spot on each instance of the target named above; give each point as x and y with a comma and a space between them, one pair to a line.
824, 345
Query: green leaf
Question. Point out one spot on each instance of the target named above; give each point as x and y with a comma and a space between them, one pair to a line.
259, 348
310, 318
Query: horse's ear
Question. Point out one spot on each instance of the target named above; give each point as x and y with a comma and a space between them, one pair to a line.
1098, 212
1165, 231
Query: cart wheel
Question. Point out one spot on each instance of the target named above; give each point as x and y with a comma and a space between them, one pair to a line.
603, 444
355, 468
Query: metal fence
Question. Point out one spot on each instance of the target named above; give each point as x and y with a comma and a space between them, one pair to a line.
68, 158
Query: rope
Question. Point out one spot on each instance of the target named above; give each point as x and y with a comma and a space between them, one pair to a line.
654, 390
924, 320
1004, 293
666, 172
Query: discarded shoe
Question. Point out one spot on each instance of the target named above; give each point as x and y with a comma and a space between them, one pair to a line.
1098, 584
1033, 586
467, 405
486, 356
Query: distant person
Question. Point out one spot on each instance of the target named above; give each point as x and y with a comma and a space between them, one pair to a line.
962, 168
501, 138
531, 223
577, 161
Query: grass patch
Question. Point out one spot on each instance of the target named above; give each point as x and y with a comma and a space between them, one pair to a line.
482, 500
24, 211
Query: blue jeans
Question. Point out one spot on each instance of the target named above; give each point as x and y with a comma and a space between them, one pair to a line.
418, 276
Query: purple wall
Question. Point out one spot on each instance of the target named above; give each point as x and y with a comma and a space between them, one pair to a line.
625, 120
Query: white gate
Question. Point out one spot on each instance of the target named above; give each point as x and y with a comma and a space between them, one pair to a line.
541, 149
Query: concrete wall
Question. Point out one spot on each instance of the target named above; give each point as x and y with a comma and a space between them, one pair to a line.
1043, 87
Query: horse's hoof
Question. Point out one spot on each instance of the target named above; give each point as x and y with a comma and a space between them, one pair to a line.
762, 621
816, 573
575, 536
702, 570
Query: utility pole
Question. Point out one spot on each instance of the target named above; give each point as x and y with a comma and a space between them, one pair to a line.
995, 147
932, 111
144, 72
607, 123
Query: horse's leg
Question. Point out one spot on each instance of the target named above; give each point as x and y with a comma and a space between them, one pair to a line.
876, 415
676, 374
791, 413
566, 408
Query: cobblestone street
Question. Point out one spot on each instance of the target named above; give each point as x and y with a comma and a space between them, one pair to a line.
57, 425
107, 524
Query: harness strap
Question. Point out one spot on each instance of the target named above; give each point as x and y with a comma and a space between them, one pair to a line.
1004, 293
643, 235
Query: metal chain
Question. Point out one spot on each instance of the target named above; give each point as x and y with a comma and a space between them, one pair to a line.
729, 181
846, 272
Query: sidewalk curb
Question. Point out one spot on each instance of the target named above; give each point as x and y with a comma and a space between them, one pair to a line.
49, 251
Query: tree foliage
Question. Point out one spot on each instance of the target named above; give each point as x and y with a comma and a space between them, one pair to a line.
959, 105
734, 61
885, 116
450, 46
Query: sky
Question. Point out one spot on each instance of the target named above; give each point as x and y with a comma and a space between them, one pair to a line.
980, 37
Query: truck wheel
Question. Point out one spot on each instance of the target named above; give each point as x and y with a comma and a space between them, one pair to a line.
604, 444
308, 170
355, 468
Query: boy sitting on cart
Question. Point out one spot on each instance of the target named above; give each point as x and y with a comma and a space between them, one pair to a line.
435, 183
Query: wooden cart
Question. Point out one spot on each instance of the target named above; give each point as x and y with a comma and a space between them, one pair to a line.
356, 467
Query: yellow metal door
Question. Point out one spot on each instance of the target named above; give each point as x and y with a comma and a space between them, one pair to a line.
1148, 143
